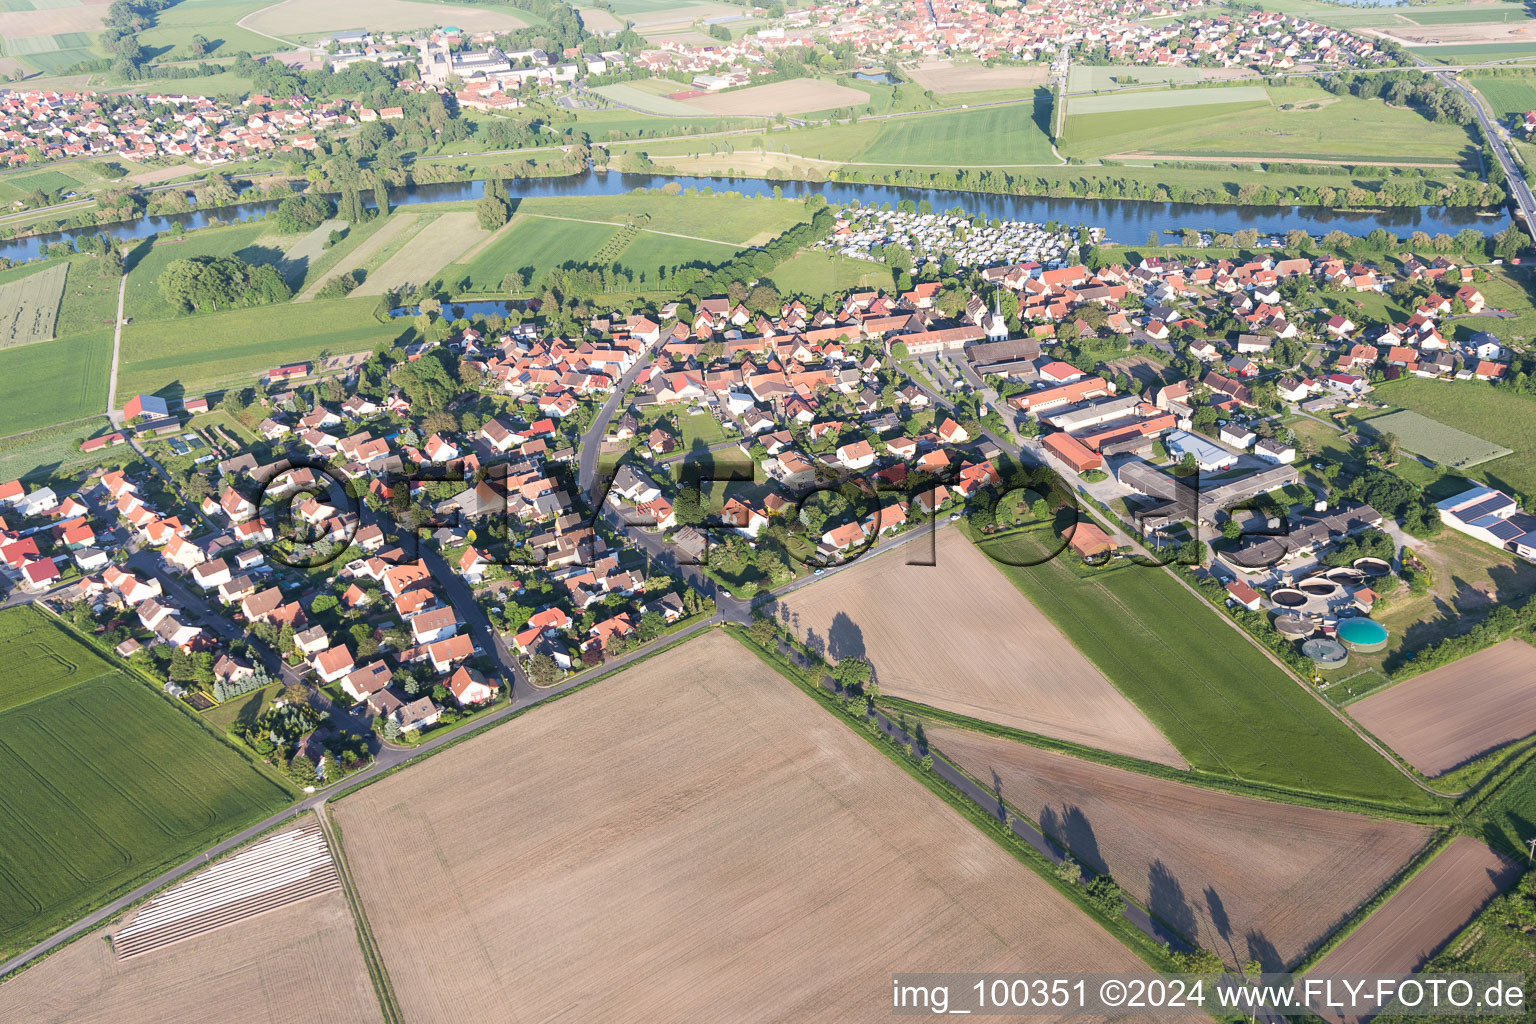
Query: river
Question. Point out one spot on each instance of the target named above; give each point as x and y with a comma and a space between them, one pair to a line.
1128, 222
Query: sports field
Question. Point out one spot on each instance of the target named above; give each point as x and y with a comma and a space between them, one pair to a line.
714, 847
29, 306
1228, 709
1302, 870
105, 782
1420, 435
1497, 415
196, 353
54, 381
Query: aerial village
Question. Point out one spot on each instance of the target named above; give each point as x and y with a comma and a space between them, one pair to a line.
409, 533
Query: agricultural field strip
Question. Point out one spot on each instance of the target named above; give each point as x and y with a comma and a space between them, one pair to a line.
1426, 912
1458, 712
29, 307
276, 871
66, 757
647, 231
1170, 845
1160, 99
1446, 445
724, 806
432, 248
919, 629
1120, 620
398, 224
33, 643
295, 963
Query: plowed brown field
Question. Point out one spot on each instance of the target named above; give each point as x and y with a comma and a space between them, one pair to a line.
294, 965
1421, 916
693, 839
1457, 712
1245, 878
957, 635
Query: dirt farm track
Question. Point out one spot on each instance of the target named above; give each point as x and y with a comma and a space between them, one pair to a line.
1300, 870
294, 965
682, 843
1458, 712
932, 634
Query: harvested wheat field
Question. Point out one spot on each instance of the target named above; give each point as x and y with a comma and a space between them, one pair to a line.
795, 96
437, 245
958, 636
303, 18
1457, 712
943, 76
1474, 33
47, 19
692, 839
293, 965
1300, 873
1421, 916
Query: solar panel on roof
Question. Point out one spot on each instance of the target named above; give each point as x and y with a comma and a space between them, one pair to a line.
1505, 530
1486, 507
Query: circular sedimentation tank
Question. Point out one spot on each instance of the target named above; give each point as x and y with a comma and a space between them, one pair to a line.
1326, 653
1363, 635
1344, 574
1372, 567
1318, 586
1293, 626
1288, 597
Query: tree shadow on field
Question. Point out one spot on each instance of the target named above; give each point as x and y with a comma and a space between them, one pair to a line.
1071, 830
1264, 951
1165, 899
1221, 923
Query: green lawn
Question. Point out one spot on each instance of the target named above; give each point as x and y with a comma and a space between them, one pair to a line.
54, 381
533, 245
817, 274
146, 263
1508, 820
1493, 413
89, 302
1507, 94
1015, 134
1317, 125
649, 250
245, 708
171, 35
106, 784
1465, 15
195, 353
1226, 708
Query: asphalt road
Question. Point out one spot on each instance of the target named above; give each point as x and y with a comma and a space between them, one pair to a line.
1519, 188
